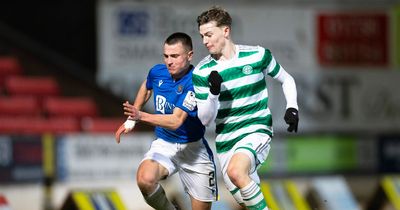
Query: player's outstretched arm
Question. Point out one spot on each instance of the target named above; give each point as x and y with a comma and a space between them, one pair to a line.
169, 121
142, 96
289, 89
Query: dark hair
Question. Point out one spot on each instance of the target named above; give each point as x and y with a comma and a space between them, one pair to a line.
182, 38
216, 14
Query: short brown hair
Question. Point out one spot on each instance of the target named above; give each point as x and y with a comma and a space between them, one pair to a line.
216, 14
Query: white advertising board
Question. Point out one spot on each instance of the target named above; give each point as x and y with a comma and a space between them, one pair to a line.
131, 36
98, 157
342, 101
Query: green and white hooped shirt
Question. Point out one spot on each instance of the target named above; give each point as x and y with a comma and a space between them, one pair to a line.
243, 101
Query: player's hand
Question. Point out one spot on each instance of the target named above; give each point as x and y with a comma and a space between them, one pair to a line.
128, 126
215, 80
292, 119
120, 130
131, 111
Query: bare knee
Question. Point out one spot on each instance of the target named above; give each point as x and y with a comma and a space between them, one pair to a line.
237, 177
238, 170
146, 182
148, 175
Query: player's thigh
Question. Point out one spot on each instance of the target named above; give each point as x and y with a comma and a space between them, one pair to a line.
157, 162
256, 146
151, 171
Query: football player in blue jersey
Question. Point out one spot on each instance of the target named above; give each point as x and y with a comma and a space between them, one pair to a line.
179, 145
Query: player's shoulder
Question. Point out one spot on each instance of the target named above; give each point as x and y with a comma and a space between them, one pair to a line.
250, 48
158, 69
247, 50
206, 62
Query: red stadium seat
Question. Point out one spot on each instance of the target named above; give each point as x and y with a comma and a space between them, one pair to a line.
38, 125
9, 65
101, 125
60, 125
3, 202
19, 106
40, 86
70, 106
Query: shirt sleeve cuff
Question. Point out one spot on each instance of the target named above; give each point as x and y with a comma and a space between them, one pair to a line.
212, 96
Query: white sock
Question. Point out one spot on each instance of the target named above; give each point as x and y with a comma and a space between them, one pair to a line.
158, 200
253, 197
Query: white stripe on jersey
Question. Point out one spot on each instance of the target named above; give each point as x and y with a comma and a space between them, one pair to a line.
202, 90
238, 132
234, 119
271, 65
203, 72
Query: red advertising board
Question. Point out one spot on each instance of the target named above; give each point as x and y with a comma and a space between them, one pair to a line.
352, 39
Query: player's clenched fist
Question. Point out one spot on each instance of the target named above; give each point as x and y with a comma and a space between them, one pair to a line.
215, 80
292, 119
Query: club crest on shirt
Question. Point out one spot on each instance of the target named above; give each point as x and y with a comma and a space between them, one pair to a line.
247, 69
179, 90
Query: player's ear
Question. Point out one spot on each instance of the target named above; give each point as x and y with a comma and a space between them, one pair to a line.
226, 30
190, 55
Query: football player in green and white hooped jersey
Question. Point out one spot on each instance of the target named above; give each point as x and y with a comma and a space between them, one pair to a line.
231, 89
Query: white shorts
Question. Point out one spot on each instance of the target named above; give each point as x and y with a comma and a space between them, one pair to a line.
193, 161
256, 146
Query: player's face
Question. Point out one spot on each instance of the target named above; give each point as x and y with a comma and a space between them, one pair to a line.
177, 59
213, 36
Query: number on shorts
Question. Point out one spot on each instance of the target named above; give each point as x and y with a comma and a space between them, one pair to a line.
211, 181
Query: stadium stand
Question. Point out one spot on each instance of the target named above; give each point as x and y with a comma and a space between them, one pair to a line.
9, 65
36, 104
19, 106
3, 203
39, 125
70, 106
40, 86
101, 125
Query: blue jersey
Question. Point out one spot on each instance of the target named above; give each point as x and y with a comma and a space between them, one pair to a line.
169, 94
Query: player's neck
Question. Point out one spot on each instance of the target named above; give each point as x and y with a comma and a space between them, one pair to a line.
228, 52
